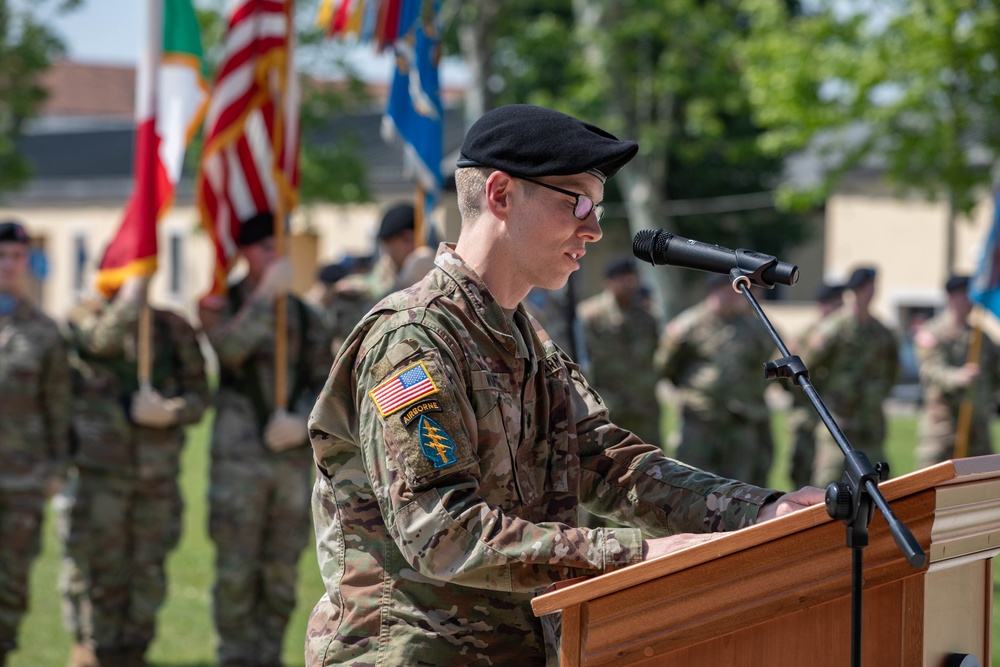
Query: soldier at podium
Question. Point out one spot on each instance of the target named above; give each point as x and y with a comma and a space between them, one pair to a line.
454, 442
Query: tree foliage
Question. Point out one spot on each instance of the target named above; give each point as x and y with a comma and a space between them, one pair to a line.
665, 74
27, 48
911, 85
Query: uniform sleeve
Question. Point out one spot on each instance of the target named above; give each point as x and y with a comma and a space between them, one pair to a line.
420, 456
102, 331
55, 401
671, 352
195, 395
633, 483
236, 336
935, 371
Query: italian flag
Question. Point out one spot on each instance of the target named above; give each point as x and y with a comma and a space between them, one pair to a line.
171, 97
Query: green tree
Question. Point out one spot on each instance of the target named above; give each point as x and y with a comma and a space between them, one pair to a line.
27, 48
910, 84
664, 74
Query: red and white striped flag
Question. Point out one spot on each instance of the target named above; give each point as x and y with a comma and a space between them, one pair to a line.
170, 103
250, 160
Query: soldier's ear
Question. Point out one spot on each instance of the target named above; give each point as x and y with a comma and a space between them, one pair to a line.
498, 194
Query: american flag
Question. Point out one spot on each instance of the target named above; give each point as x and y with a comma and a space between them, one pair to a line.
402, 389
250, 157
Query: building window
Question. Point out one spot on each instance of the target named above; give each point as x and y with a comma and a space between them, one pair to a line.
176, 265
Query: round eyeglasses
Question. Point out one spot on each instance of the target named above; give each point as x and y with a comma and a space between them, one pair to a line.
583, 205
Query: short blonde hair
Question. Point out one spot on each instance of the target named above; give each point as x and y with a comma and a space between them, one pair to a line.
470, 184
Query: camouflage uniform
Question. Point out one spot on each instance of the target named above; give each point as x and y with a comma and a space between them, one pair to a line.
34, 427
855, 366
942, 347
803, 420
355, 295
620, 346
124, 509
439, 521
716, 362
259, 499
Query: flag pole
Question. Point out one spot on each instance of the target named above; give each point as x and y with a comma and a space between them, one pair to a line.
145, 351
964, 425
420, 201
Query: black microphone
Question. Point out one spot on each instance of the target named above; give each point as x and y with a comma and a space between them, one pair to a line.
660, 247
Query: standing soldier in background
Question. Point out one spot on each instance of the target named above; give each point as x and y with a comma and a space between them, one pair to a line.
949, 378
124, 508
802, 418
714, 354
353, 296
620, 336
261, 462
855, 360
34, 427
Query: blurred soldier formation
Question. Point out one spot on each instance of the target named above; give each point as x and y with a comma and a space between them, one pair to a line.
78, 423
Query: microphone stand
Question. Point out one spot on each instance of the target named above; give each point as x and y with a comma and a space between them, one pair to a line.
854, 499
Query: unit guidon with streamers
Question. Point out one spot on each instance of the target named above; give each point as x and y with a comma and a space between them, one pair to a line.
403, 389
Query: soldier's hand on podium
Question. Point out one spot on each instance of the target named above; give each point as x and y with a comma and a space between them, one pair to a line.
792, 502
661, 546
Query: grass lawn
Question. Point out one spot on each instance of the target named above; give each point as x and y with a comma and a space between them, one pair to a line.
186, 636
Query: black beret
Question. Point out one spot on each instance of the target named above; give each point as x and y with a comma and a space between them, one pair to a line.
331, 273
826, 292
12, 232
957, 284
256, 229
861, 276
397, 219
525, 140
619, 266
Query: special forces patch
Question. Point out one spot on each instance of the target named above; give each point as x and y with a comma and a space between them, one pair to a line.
436, 444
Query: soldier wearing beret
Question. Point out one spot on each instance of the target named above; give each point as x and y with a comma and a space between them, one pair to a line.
454, 442
712, 353
948, 378
855, 359
123, 507
260, 474
802, 418
34, 427
350, 298
620, 335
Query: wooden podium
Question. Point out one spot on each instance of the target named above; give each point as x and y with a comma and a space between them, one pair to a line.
778, 594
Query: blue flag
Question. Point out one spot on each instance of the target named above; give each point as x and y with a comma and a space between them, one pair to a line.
414, 112
984, 288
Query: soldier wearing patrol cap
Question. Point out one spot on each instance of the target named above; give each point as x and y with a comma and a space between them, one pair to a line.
34, 427
260, 474
454, 442
948, 378
857, 358
620, 334
713, 353
802, 418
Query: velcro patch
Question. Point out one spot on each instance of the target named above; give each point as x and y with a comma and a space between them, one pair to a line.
414, 411
435, 442
402, 389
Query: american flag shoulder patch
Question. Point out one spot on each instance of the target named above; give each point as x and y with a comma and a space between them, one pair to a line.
402, 389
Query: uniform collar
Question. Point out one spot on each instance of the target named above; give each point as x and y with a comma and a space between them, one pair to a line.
489, 312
